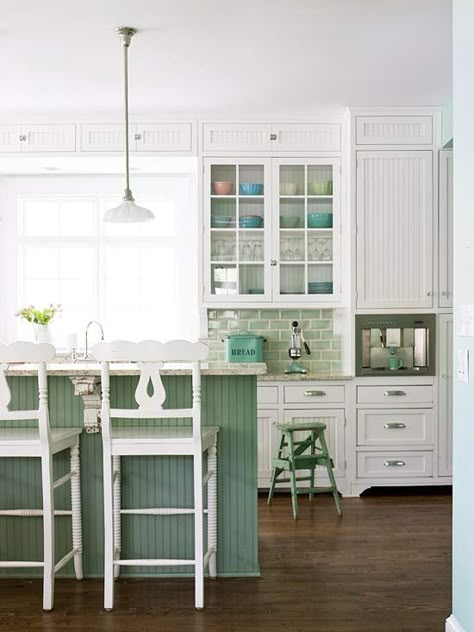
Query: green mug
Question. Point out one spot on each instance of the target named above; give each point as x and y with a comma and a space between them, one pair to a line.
395, 363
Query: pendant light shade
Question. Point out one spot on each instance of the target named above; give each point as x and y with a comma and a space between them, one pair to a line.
127, 211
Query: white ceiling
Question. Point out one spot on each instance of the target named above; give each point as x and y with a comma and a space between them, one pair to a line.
224, 56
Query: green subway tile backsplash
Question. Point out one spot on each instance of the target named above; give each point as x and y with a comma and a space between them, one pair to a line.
275, 326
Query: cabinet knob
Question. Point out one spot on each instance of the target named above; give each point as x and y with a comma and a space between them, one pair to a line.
445, 293
138, 137
273, 136
429, 293
444, 376
23, 137
273, 262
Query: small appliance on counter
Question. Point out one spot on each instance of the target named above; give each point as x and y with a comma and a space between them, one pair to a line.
295, 350
395, 344
244, 347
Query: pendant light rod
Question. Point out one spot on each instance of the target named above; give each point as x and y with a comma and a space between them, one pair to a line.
127, 211
126, 33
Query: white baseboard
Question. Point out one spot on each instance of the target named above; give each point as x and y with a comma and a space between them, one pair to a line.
452, 625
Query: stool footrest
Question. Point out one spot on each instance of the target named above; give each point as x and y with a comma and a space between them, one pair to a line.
154, 562
32, 513
20, 564
65, 559
315, 490
159, 511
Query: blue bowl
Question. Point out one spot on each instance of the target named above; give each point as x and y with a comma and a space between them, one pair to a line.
250, 221
247, 188
319, 220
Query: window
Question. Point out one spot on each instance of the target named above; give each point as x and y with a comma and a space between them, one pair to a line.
138, 280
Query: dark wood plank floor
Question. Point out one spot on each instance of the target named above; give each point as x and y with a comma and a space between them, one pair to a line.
384, 567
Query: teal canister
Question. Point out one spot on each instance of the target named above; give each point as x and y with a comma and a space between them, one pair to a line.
244, 347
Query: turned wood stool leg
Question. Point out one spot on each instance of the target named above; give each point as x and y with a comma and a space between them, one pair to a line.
48, 531
76, 510
332, 480
212, 510
117, 474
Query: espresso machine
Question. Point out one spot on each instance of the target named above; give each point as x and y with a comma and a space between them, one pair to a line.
295, 352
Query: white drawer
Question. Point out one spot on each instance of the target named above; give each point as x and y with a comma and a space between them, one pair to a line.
394, 427
267, 395
394, 464
394, 395
314, 394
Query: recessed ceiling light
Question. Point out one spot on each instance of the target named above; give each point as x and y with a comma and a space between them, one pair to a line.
52, 169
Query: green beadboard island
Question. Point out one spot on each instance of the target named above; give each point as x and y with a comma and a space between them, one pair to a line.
229, 400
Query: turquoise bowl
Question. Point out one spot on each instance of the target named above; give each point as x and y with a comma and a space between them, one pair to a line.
319, 220
250, 221
248, 188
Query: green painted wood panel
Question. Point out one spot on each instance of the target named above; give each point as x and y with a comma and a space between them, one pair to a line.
228, 402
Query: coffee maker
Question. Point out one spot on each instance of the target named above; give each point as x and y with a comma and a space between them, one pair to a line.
295, 351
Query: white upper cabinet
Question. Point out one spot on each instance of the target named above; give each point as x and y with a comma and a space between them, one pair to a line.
10, 138
275, 137
103, 137
235, 137
38, 138
394, 229
446, 228
163, 137
299, 137
394, 130
166, 137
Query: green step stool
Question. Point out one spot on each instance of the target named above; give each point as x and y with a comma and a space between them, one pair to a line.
293, 456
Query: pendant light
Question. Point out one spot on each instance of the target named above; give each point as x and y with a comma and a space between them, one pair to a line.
127, 211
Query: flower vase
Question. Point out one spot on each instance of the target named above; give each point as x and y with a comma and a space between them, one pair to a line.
42, 333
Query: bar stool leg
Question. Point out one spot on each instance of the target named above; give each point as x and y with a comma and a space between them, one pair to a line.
212, 510
198, 534
117, 474
311, 476
108, 534
76, 510
294, 493
48, 531
332, 480
275, 471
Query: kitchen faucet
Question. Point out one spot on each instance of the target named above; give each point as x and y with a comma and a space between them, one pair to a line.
86, 353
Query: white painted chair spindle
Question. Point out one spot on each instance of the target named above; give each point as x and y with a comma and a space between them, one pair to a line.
42, 442
150, 357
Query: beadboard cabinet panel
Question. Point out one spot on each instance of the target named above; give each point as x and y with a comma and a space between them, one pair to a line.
38, 138
446, 228
301, 137
394, 229
163, 137
394, 130
10, 138
228, 401
236, 137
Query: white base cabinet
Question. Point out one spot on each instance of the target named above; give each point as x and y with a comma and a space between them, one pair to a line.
445, 407
306, 401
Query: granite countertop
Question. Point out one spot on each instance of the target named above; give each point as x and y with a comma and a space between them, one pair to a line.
93, 369
303, 377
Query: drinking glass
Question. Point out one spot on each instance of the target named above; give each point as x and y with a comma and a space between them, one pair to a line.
258, 251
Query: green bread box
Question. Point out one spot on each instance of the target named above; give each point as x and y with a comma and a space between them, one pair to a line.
244, 347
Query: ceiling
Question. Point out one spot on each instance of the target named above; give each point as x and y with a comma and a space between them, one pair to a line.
224, 56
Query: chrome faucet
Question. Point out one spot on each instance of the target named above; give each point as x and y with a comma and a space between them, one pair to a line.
92, 322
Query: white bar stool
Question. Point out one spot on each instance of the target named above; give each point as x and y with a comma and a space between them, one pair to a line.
42, 442
159, 440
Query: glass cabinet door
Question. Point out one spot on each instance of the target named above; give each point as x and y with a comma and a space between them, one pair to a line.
307, 219
238, 236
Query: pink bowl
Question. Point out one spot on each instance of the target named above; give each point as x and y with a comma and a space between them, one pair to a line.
221, 188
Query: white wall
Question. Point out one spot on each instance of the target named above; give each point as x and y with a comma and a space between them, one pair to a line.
463, 511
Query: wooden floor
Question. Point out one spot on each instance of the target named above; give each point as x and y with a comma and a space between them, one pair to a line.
384, 567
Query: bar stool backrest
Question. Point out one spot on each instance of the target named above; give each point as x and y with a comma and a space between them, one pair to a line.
149, 357
38, 355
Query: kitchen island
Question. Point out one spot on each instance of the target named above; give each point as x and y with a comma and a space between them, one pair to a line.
229, 400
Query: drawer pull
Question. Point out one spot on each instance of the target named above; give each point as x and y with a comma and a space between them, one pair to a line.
314, 393
393, 424
394, 463
394, 393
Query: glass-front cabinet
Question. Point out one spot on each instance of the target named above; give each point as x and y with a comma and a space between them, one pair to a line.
271, 230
